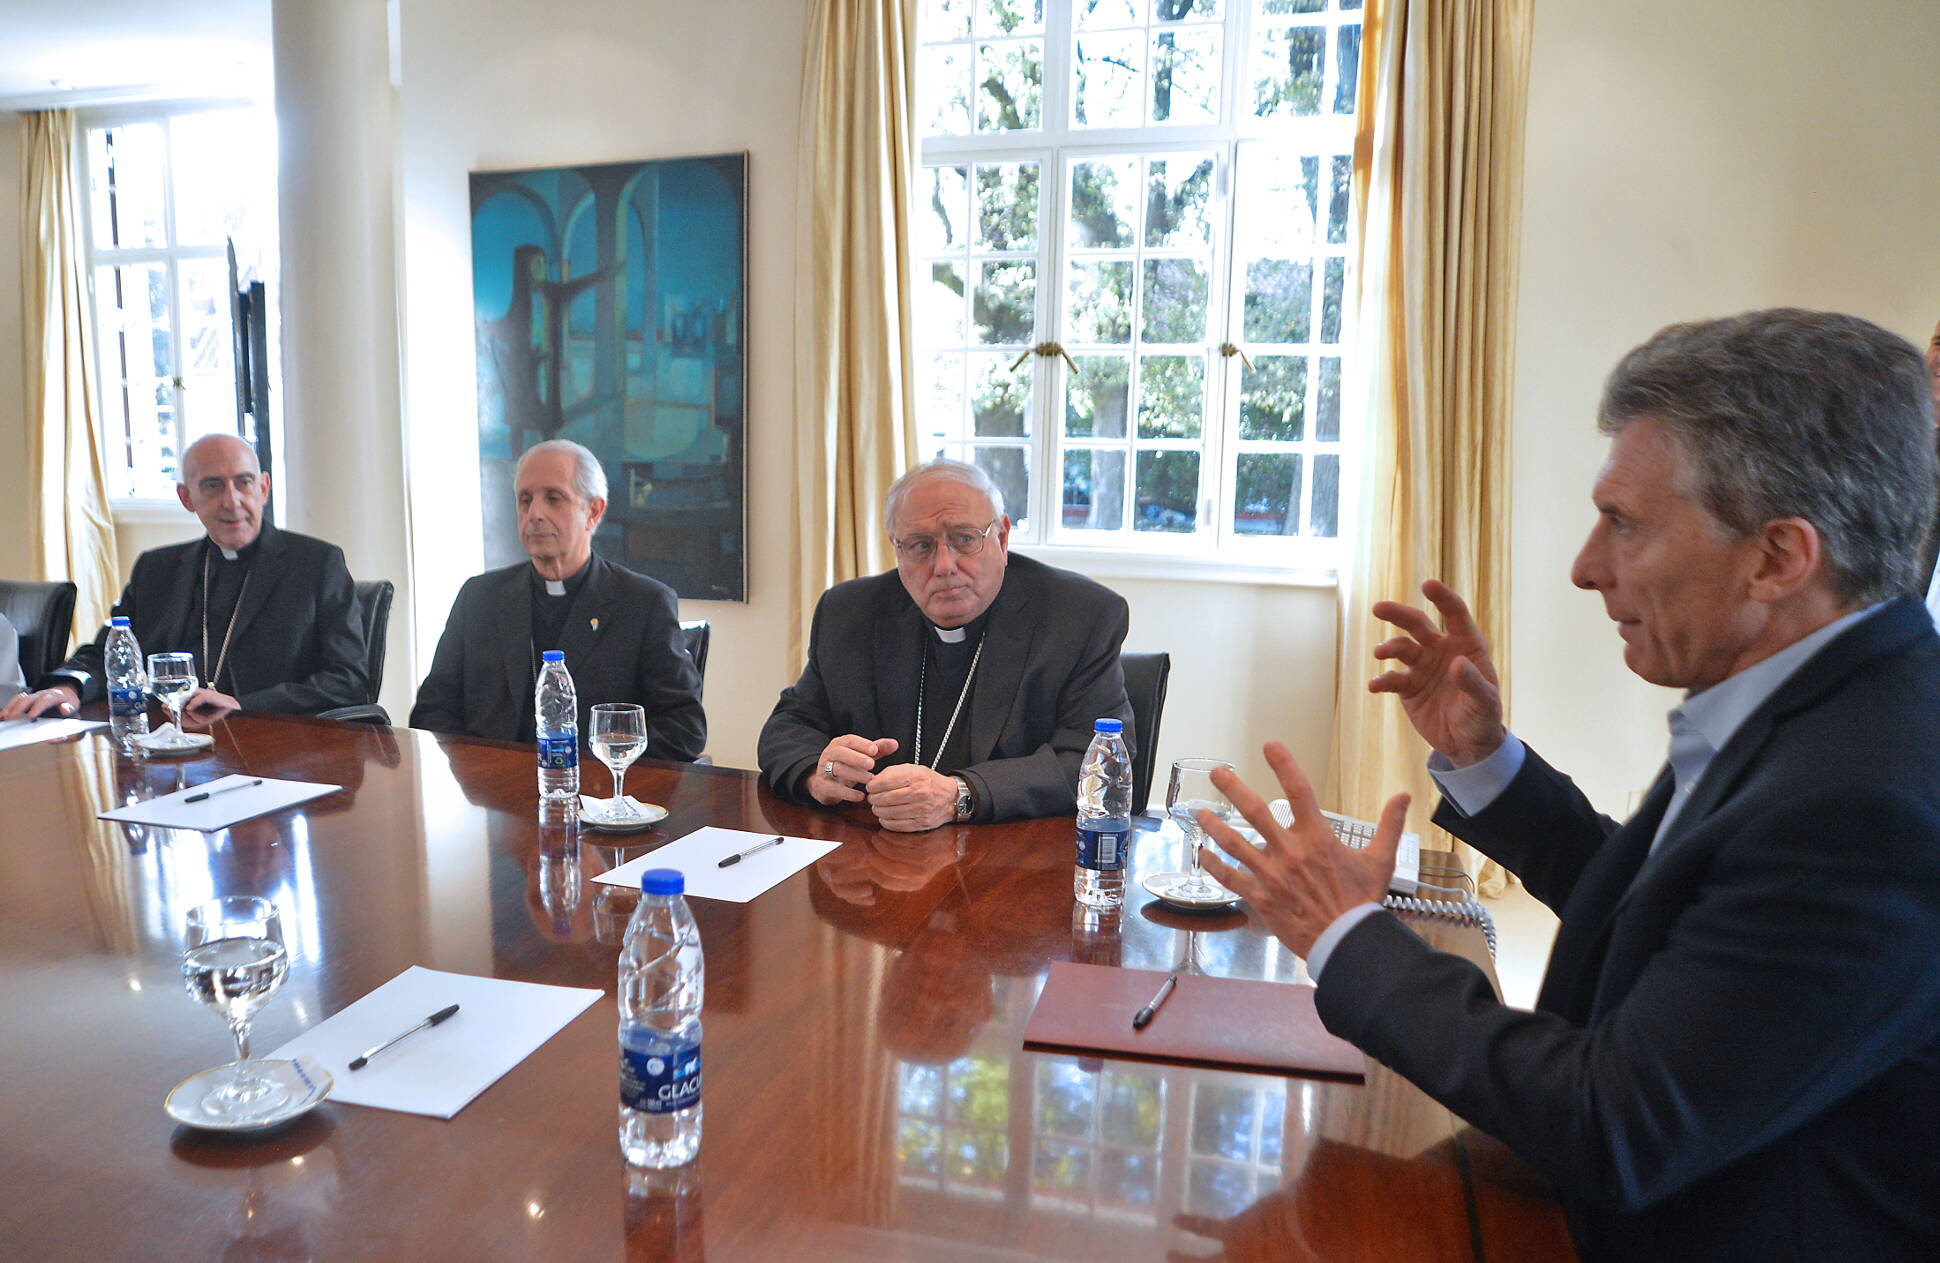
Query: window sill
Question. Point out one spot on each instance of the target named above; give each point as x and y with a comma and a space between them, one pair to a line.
1105, 563
147, 512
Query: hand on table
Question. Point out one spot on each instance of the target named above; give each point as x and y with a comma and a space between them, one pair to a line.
910, 798
845, 767
205, 706
59, 700
1447, 684
1305, 878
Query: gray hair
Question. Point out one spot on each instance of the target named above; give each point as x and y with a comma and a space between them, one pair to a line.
589, 476
1791, 413
944, 468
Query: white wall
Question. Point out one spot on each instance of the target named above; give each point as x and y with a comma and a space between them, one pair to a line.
1689, 160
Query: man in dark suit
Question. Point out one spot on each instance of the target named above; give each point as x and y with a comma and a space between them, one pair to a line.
961, 687
1736, 1049
271, 616
620, 631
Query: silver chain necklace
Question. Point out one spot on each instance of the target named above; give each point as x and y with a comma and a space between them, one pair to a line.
922, 687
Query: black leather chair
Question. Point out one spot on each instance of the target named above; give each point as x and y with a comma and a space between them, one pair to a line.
374, 602
41, 613
1145, 679
696, 635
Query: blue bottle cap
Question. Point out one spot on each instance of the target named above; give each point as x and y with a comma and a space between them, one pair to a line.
1109, 725
119, 621
554, 655
662, 881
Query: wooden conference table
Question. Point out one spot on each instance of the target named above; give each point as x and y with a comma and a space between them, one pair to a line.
867, 1093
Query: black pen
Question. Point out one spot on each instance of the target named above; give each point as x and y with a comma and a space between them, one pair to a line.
738, 856
1144, 1017
433, 1020
222, 789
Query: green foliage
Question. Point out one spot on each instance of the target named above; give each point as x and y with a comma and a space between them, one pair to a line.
1171, 396
1273, 398
1176, 292
1279, 300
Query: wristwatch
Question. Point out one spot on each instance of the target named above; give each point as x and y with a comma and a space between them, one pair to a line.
966, 801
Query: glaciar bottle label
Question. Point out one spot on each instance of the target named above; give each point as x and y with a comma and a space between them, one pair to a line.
126, 702
661, 1081
1102, 849
559, 753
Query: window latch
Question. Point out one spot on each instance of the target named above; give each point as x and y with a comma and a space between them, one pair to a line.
1230, 349
1045, 349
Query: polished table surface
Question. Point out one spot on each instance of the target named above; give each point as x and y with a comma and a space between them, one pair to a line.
867, 1093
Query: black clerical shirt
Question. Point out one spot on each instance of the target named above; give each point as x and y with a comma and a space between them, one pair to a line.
550, 614
945, 669
215, 607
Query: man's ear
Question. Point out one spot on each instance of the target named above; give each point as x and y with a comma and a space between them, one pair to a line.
597, 507
1791, 556
182, 494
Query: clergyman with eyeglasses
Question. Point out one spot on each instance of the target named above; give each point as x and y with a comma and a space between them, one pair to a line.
963, 686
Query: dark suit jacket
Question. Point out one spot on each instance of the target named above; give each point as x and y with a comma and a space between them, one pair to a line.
1049, 668
1737, 1054
299, 642
622, 644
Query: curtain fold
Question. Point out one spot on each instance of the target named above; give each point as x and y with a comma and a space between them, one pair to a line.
1438, 173
856, 427
71, 527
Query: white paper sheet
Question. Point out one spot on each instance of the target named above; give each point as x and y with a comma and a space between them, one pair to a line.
698, 855
440, 1070
26, 732
173, 811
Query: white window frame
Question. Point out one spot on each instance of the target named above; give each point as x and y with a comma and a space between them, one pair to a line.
149, 509
1214, 551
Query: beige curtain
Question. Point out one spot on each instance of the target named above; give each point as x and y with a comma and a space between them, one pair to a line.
857, 426
71, 529
1438, 170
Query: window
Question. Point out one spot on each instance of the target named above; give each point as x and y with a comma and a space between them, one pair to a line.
168, 192
1131, 227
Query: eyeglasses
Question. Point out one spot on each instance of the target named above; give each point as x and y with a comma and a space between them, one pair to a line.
964, 543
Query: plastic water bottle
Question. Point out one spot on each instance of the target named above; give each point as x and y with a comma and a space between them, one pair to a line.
127, 684
555, 708
662, 978
1104, 817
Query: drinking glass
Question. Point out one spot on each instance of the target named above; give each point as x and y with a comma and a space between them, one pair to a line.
171, 678
1190, 792
619, 735
233, 960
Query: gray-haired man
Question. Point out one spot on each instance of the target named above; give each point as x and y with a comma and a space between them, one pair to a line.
620, 631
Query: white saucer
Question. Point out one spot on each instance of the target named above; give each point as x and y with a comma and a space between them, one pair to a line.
650, 814
306, 1081
1167, 889
190, 743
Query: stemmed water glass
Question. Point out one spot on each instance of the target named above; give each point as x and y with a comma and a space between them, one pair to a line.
171, 678
619, 735
1190, 792
233, 960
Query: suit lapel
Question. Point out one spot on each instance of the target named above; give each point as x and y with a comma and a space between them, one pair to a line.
264, 571
898, 643
587, 616
179, 602
1006, 653
512, 602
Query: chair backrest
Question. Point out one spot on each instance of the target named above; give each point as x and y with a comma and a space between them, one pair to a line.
41, 613
696, 635
374, 601
1145, 678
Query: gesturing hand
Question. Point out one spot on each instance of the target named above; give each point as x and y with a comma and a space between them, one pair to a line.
1305, 877
1447, 684
845, 767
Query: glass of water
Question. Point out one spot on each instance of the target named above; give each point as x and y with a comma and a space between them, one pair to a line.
619, 735
171, 678
1190, 792
233, 960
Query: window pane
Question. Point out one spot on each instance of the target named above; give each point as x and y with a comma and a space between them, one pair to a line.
1287, 70
941, 228
1133, 1106
1098, 13
1007, 206
946, 85
207, 347
1280, 8
945, 19
1006, 302
1343, 175
1101, 302
1326, 508
941, 308
1327, 406
1096, 397
1178, 193
1185, 10
1279, 196
1061, 1168
1175, 301
1094, 490
1010, 470
1330, 300
941, 395
1273, 398
1266, 499
1000, 400
1279, 300
1010, 79
1347, 62
1009, 17
1105, 80
1104, 205
215, 159
1171, 396
126, 170
1185, 75
134, 298
1168, 492
1128, 1179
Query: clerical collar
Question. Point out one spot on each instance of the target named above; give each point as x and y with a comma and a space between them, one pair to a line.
562, 587
231, 554
949, 635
